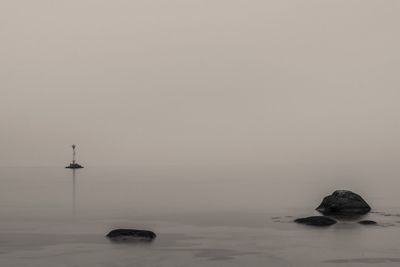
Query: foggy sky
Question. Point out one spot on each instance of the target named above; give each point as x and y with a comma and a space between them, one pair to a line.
199, 82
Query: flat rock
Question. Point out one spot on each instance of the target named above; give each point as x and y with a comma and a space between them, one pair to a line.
368, 222
131, 235
343, 202
316, 221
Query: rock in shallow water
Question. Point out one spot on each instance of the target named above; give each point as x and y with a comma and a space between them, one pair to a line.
368, 222
131, 235
316, 221
343, 202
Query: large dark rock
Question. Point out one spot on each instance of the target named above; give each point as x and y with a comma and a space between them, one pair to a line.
131, 235
343, 202
316, 221
74, 166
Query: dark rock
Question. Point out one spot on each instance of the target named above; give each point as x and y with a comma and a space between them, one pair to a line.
316, 221
345, 203
74, 166
131, 235
368, 222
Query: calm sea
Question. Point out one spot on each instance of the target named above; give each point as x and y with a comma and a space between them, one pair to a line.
203, 216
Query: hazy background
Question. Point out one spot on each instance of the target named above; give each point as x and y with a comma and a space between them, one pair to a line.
200, 82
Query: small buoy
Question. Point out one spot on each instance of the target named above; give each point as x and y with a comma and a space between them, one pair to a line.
73, 164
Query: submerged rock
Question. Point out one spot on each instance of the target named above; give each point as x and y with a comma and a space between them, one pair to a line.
343, 202
131, 235
368, 222
74, 166
316, 221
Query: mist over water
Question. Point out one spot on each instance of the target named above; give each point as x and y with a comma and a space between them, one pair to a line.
212, 123
199, 82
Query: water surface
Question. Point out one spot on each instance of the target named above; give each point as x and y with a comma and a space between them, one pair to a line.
203, 216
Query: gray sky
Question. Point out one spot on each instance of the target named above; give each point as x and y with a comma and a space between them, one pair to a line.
199, 82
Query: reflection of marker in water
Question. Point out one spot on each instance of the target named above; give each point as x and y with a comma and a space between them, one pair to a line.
74, 165
73, 192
